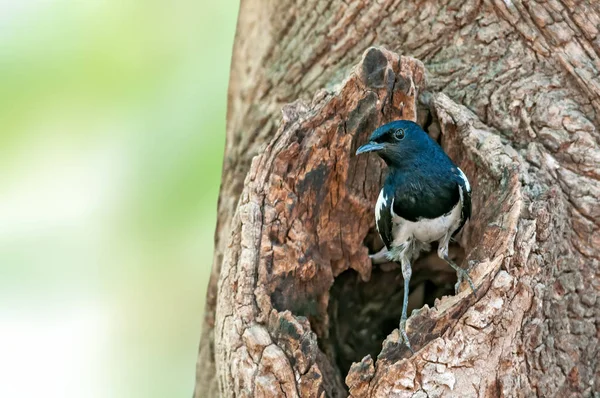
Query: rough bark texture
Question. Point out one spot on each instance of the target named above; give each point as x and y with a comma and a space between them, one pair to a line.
514, 90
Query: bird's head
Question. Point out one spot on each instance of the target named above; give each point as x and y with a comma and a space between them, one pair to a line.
398, 142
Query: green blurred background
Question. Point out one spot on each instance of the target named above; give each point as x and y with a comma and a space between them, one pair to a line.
112, 118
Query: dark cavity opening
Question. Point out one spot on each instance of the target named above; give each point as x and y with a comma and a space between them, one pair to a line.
363, 314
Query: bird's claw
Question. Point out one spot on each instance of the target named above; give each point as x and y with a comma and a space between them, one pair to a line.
404, 336
460, 274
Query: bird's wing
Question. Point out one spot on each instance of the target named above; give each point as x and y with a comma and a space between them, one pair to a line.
383, 217
465, 195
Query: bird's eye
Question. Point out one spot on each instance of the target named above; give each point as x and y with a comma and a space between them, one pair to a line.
399, 134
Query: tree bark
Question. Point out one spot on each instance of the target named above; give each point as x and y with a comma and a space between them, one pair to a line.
513, 93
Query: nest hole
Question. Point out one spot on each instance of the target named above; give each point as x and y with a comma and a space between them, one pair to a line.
362, 314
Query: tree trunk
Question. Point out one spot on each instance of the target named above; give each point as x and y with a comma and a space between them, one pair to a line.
513, 94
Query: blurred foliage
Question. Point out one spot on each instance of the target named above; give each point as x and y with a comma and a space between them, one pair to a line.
112, 138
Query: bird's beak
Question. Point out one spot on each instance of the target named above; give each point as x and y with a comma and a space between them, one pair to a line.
370, 147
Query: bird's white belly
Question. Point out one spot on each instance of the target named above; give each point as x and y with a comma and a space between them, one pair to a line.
426, 230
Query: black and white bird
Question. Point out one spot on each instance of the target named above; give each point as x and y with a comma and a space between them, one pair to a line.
425, 198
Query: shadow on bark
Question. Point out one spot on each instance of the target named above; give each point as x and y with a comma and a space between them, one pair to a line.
362, 314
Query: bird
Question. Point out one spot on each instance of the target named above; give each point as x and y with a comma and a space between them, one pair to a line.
425, 198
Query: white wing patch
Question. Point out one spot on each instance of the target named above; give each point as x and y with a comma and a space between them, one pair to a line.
464, 178
381, 203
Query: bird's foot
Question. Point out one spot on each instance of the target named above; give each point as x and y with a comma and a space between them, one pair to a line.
472, 264
380, 257
403, 335
460, 274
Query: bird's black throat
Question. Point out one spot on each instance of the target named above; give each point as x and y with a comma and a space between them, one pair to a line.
420, 192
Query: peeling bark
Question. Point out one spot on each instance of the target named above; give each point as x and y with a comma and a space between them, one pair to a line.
513, 94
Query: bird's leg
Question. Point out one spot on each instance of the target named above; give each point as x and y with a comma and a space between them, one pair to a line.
380, 257
460, 273
406, 274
